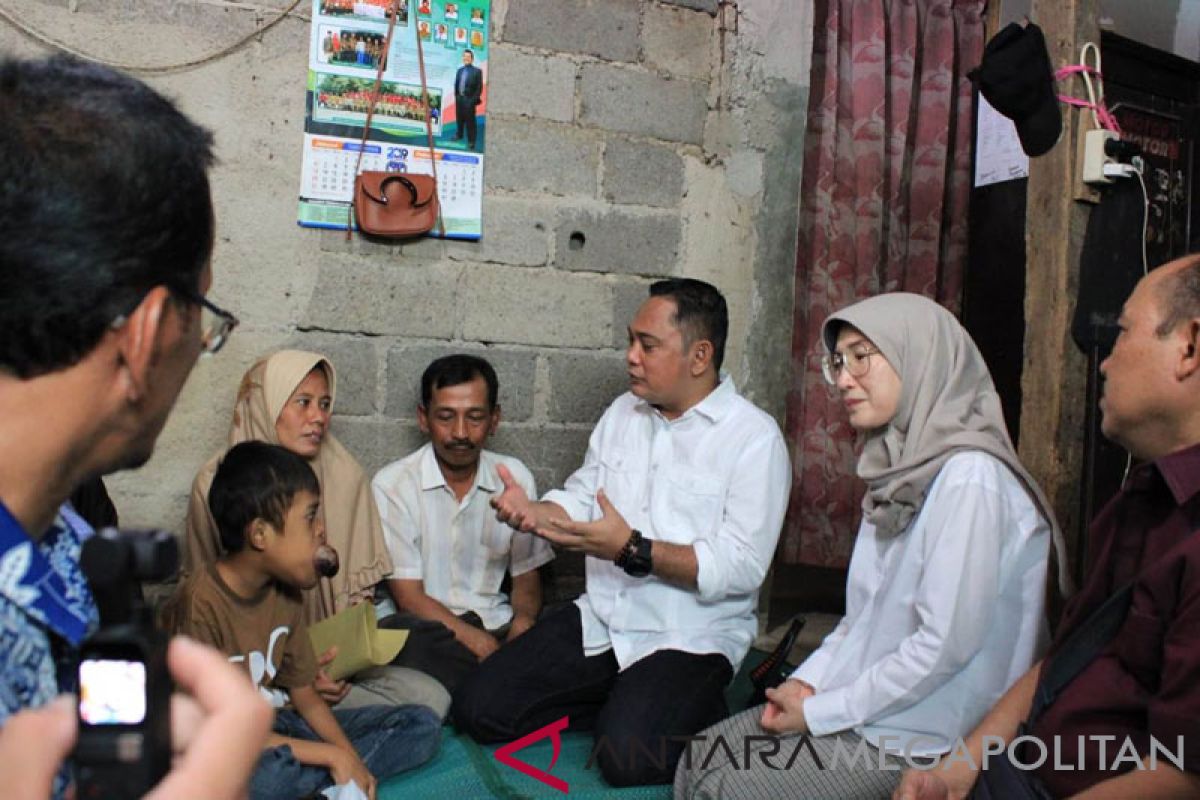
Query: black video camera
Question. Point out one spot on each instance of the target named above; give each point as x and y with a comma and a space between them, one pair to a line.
124, 746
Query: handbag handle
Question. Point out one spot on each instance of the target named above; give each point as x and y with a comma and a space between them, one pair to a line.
383, 198
394, 7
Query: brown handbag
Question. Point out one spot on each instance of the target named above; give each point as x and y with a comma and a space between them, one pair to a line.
396, 205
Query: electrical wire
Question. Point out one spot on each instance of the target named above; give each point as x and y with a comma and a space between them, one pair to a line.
51, 42
1102, 119
1137, 170
1087, 81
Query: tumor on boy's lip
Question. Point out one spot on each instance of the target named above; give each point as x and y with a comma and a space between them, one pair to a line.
326, 561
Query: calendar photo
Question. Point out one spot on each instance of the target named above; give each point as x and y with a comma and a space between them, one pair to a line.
345, 100
365, 10
348, 47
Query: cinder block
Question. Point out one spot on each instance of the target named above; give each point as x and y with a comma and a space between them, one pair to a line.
359, 244
642, 174
645, 243
503, 304
551, 453
531, 86
678, 41
627, 299
620, 99
604, 28
529, 156
515, 370
372, 298
356, 364
376, 442
515, 231
698, 5
582, 385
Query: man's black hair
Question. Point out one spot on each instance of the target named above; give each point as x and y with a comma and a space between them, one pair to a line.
256, 480
700, 312
457, 369
103, 196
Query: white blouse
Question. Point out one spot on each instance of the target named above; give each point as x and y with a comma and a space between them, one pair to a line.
940, 619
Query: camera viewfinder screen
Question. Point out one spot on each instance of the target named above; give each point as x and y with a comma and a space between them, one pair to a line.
112, 692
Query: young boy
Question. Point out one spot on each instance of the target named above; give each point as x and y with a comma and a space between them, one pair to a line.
266, 503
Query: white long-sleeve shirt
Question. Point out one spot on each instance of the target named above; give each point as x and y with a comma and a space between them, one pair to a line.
940, 619
716, 478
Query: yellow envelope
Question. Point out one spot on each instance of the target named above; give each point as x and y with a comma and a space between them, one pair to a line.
360, 643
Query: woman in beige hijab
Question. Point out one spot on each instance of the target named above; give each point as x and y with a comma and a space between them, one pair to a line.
945, 595
287, 399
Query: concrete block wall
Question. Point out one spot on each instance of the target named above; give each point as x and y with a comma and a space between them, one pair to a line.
624, 144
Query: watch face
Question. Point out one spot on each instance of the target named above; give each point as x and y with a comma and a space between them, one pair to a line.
639, 563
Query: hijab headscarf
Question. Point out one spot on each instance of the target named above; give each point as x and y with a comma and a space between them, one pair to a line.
352, 524
947, 404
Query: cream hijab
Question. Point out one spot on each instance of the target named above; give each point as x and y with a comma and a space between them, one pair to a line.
351, 519
947, 404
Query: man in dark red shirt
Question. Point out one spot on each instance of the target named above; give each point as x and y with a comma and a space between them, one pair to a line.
1128, 725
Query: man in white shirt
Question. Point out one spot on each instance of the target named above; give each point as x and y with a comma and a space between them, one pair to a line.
678, 507
450, 552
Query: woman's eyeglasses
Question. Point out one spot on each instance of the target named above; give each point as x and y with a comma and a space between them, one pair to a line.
856, 362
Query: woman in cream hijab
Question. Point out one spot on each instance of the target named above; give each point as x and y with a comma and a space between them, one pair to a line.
945, 595
287, 399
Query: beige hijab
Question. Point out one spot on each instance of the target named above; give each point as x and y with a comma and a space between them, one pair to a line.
351, 518
947, 404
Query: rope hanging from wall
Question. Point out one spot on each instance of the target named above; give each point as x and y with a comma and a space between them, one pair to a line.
55, 44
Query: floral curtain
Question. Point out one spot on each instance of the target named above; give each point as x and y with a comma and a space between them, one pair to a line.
884, 208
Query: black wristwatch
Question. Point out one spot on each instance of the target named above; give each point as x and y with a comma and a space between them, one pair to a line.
635, 557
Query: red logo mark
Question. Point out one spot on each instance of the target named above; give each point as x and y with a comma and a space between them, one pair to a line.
553, 730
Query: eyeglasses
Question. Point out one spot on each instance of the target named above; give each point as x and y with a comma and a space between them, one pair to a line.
215, 322
856, 362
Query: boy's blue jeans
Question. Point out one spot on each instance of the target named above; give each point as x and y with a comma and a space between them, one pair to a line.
388, 739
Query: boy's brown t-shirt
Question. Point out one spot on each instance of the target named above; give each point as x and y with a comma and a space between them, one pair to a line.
266, 633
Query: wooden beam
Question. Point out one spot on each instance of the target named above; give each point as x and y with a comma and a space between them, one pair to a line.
991, 19
1053, 382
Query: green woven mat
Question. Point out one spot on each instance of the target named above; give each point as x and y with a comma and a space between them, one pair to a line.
464, 770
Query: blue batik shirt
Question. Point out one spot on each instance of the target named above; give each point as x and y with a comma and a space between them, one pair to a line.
44, 597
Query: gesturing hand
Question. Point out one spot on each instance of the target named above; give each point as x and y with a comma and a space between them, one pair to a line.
602, 538
513, 506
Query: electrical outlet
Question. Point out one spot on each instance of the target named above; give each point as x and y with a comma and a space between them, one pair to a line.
1094, 157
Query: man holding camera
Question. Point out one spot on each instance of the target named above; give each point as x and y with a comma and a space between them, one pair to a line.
106, 229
